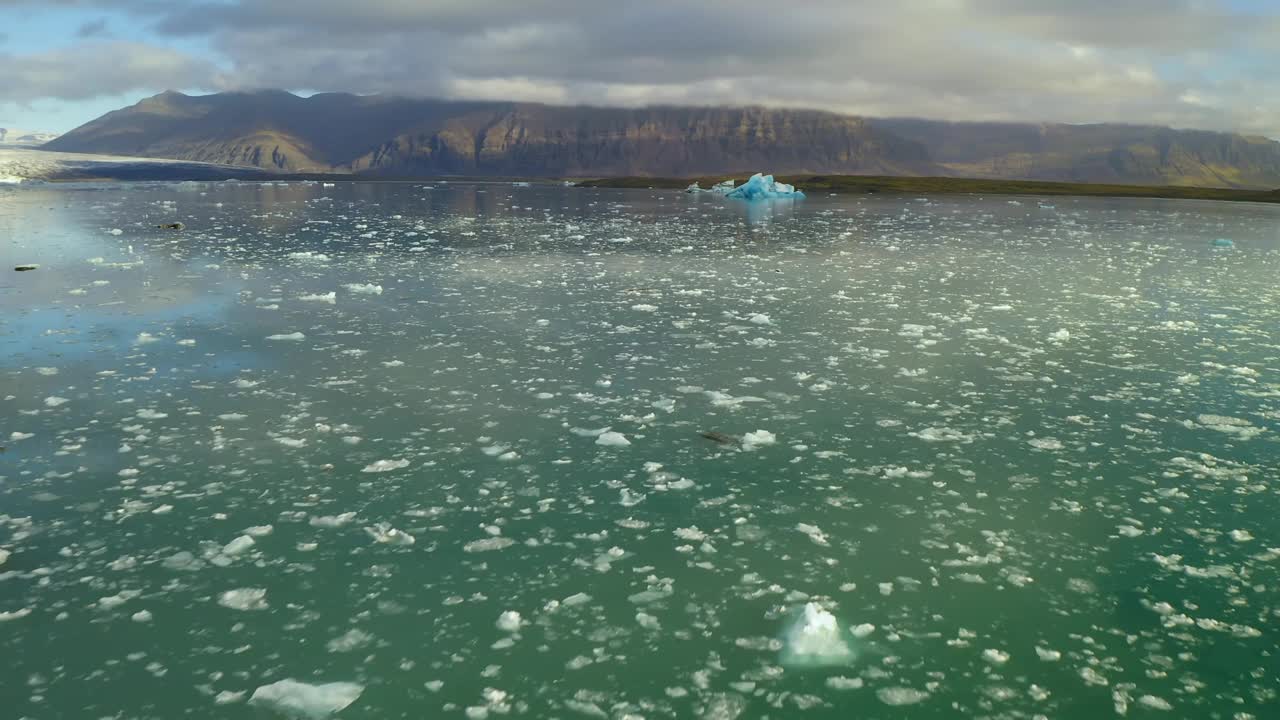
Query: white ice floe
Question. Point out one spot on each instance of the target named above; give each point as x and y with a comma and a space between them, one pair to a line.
1045, 443
814, 532
238, 546
292, 337
364, 289
380, 466
54, 401
758, 439
329, 297
244, 599
387, 535
332, 521
309, 256
612, 439
814, 639
488, 544
509, 621
901, 696
14, 614
302, 700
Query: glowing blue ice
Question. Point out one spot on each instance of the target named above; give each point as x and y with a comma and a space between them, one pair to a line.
763, 187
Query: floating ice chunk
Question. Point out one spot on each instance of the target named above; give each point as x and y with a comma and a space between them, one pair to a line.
901, 696
942, 434
509, 621
760, 319
1241, 535
115, 231
309, 256
364, 289
692, 534
237, 546
15, 436
814, 639
353, 639
329, 297
1045, 443
1153, 702
145, 338
384, 533
301, 700
995, 657
142, 616
385, 466
149, 414
1231, 426
227, 697
576, 599
863, 630
1048, 655
332, 521
47, 371
763, 187
244, 599
1060, 336
291, 442
292, 337
645, 308
612, 439
14, 614
840, 682
815, 534
54, 401
4, 556
488, 544
259, 530
757, 439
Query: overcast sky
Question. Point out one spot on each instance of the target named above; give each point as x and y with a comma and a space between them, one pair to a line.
1188, 63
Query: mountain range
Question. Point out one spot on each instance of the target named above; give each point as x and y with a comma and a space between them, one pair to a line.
409, 137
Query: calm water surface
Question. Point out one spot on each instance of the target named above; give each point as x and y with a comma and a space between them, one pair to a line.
981, 458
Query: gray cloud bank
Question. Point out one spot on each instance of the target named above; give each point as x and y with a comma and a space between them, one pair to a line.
1187, 63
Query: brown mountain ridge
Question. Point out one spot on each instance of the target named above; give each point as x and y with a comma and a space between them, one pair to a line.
390, 135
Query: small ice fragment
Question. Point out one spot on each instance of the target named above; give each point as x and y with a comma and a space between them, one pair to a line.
385, 466
995, 657
576, 599
863, 630
4, 556
145, 338
47, 371
1153, 702
901, 696
814, 639
14, 614
612, 439
312, 702
1045, 443
244, 599
292, 337
329, 297
760, 319
364, 289
54, 401
226, 697
759, 438
1060, 336
645, 308
142, 616
488, 544
509, 621
353, 639
1241, 535
840, 682
237, 546
15, 436
1048, 655
384, 533
814, 532
332, 521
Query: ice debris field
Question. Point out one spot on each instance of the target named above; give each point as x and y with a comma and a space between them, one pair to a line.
443, 450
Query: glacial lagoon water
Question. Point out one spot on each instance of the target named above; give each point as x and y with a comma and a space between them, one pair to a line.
435, 450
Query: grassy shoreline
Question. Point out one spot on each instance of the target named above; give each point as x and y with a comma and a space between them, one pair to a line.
873, 184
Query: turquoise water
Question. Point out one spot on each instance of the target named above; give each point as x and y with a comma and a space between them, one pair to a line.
977, 458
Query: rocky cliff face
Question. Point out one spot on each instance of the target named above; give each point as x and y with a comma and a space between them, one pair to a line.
408, 137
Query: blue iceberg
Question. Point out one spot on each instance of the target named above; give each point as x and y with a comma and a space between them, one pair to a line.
1223, 243
763, 187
